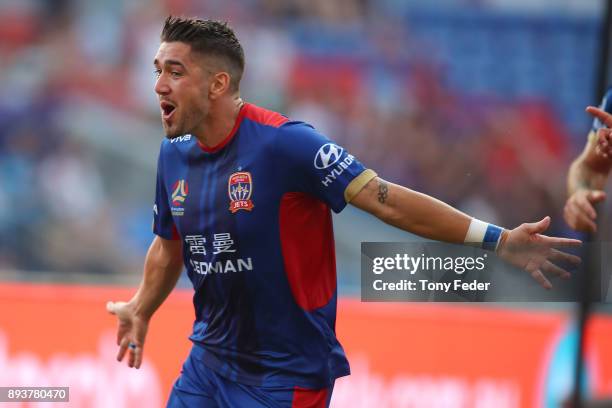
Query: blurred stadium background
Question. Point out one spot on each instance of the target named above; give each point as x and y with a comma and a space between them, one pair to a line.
477, 102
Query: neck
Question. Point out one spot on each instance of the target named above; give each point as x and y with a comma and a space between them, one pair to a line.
219, 122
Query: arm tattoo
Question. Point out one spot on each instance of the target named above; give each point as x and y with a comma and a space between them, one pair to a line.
383, 191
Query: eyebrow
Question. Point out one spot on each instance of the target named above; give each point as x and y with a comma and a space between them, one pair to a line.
170, 62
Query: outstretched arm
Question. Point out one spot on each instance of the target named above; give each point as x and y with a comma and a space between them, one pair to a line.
587, 177
412, 211
428, 217
162, 268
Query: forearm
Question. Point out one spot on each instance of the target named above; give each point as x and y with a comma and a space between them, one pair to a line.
414, 212
582, 176
589, 170
162, 268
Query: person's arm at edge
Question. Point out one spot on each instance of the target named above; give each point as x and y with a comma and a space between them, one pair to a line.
589, 170
586, 179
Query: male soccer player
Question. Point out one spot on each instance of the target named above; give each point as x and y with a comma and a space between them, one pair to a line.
243, 202
588, 173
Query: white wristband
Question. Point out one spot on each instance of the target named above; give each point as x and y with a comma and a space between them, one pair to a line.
483, 234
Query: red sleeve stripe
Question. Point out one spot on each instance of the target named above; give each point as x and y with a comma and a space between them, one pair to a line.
305, 227
175, 233
306, 398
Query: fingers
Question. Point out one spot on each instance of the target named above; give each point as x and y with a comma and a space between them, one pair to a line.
603, 116
120, 335
541, 279
132, 347
138, 357
129, 328
553, 269
583, 222
134, 355
538, 227
560, 256
579, 212
596, 196
123, 346
534, 270
117, 308
131, 354
577, 218
111, 308
560, 242
585, 204
604, 142
134, 351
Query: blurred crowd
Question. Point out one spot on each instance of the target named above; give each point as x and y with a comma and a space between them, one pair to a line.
76, 197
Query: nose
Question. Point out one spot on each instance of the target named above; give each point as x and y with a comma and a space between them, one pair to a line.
161, 86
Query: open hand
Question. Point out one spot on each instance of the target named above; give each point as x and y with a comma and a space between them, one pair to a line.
526, 248
579, 211
131, 332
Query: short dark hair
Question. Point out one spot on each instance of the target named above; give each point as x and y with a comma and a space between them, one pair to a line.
208, 37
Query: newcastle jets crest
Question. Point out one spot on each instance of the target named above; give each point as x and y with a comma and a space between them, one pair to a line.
240, 189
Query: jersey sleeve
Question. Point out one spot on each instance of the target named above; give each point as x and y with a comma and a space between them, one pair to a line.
163, 224
314, 164
606, 105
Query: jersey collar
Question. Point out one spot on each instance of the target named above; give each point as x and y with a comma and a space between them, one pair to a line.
224, 142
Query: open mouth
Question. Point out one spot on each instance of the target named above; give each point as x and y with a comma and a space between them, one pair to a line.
167, 109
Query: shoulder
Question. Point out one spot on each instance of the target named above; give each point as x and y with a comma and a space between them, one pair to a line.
280, 129
294, 131
264, 116
297, 133
300, 141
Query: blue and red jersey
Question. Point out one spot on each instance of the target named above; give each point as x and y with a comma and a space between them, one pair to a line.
254, 217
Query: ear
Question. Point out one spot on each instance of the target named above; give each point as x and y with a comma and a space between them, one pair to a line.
219, 85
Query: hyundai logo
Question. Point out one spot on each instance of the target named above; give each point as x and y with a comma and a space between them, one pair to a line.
327, 155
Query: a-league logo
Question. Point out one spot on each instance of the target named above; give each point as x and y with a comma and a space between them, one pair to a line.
240, 189
180, 189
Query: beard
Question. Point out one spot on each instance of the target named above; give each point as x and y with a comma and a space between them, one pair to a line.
175, 127
182, 123
172, 131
